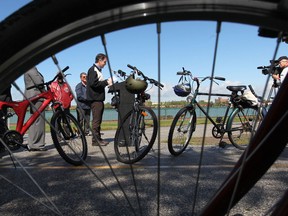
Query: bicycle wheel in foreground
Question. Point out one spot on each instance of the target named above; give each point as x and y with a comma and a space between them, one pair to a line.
136, 135
85, 19
242, 126
44, 28
181, 130
68, 137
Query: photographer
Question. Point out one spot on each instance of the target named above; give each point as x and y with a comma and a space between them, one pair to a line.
283, 66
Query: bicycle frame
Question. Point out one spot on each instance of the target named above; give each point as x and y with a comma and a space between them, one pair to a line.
227, 118
194, 101
206, 114
63, 126
20, 109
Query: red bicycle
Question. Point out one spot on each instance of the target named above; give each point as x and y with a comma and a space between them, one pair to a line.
67, 135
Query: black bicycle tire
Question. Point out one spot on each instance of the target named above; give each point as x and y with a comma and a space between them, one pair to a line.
149, 146
54, 136
172, 127
232, 117
42, 28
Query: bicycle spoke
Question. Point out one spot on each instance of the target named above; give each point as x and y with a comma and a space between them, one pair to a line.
181, 130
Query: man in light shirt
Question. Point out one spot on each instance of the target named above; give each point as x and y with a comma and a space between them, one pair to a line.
283, 65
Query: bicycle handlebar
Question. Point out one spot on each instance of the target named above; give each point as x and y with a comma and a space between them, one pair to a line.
254, 93
220, 78
252, 90
131, 67
212, 78
152, 81
121, 73
186, 72
39, 86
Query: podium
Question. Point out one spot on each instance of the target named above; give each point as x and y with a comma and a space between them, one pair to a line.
125, 104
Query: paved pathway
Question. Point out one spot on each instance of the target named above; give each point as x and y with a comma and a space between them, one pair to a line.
107, 188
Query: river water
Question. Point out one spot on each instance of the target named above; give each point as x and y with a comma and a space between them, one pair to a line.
112, 114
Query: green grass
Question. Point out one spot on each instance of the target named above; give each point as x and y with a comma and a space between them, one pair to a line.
113, 124
168, 122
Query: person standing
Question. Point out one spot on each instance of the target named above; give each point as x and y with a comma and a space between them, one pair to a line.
36, 136
62, 93
283, 65
83, 106
96, 95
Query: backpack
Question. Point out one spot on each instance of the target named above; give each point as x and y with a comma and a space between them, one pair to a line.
249, 98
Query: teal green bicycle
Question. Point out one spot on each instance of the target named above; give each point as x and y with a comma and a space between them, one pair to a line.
240, 123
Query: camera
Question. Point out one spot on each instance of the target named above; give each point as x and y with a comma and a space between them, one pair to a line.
267, 70
272, 69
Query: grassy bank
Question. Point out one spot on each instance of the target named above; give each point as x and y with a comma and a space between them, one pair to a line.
113, 124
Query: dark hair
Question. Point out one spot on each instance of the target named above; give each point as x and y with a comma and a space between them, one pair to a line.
100, 56
81, 74
60, 76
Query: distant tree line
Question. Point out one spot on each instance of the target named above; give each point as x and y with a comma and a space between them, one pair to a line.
172, 104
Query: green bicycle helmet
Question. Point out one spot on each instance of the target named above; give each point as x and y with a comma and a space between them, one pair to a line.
135, 86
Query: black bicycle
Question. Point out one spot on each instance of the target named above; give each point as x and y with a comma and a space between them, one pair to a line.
239, 124
137, 131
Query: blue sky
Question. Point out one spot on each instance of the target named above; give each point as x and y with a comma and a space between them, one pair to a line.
188, 44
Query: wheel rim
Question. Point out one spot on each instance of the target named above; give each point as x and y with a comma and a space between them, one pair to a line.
133, 15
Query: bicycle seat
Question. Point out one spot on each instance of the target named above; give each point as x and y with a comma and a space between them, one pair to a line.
236, 88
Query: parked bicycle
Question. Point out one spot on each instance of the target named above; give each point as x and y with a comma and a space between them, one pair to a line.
137, 131
67, 135
238, 124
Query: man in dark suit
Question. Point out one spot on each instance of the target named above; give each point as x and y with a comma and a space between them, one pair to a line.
96, 96
83, 105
